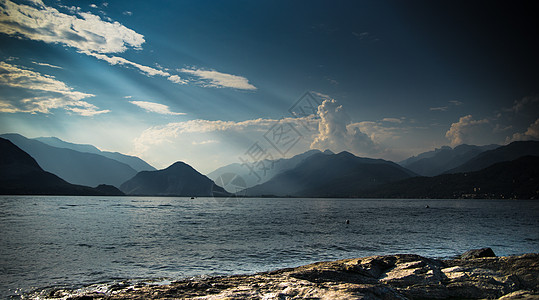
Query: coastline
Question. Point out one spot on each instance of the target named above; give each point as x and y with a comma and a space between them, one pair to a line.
400, 276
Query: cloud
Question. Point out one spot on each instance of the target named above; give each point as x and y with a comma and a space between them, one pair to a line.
532, 133
48, 93
217, 79
335, 135
441, 108
464, 130
155, 107
177, 79
392, 120
115, 60
205, 142
85, 32
95, 37
455, 102
157, 135
520, 105
47, 65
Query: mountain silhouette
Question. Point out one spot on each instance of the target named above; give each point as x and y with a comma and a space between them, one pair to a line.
510, 179
20, 174
333, 175
440, 160
134, 162
500, 154
265, 171
180, 179
73, 166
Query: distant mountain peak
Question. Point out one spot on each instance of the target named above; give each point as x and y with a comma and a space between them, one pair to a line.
178, 179
328, 152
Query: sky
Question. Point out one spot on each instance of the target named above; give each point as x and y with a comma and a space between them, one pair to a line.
218, 82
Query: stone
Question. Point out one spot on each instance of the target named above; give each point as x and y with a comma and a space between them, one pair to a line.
402, 276
478, 253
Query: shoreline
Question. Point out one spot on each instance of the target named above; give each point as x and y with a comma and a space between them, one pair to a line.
400, 276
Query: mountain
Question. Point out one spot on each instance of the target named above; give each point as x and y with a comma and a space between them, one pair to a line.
333, 175
73, 166
440, 160
510, 179
273, 167
134, 162
20, 174
501, 154
179, 179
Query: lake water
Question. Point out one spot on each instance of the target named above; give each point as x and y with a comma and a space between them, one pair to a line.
48, 242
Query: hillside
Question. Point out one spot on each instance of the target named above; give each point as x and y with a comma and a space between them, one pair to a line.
20, 174
179, 179
73, 166
513, 179
134, 162
336, 175
501, 154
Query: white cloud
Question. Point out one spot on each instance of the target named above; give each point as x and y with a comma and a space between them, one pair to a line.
335, 134
46, 65
205, 142
157, 135
455, 102
49, 93
115, 60
214, 78
465, 130
85, 32
532, 133
177, 79
155, 107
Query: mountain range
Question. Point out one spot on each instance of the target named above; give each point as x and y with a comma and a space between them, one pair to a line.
20, 174
518, 179
134, 162
504, 153
331, 175
272, 168
76, 167
52, 166
441, 160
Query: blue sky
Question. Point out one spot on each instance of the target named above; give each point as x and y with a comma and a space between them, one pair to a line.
204, 81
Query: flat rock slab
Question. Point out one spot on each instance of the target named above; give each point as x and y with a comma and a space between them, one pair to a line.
375, 277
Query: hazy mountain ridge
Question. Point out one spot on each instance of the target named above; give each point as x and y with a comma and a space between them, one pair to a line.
73, 166
336, 175
275, 167
440, 160
518, 178
508, 152
134, 162
179, 179
20, 174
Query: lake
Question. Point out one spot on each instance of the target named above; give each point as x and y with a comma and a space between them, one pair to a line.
48, 242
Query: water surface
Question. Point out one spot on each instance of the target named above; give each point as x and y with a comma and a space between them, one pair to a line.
78, 241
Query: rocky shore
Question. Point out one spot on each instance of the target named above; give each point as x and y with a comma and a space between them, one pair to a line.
406, 276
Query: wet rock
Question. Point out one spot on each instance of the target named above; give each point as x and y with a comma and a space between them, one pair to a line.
478, 253
374, 277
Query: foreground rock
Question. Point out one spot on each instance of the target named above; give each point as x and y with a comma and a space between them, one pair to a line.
375, 277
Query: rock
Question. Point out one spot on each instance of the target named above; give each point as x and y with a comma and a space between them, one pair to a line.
376, 277
478, 253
